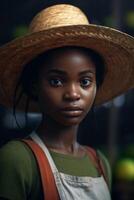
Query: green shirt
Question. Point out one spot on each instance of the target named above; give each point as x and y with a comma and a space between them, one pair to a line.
19, 174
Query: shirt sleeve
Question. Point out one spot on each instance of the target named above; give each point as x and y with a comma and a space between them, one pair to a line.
15, 173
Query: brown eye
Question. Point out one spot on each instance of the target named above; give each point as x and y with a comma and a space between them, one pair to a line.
56, 82
85, 82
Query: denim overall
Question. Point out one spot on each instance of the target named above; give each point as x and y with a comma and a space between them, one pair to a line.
75, 187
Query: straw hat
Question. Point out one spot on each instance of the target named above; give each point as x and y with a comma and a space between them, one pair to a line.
66, 25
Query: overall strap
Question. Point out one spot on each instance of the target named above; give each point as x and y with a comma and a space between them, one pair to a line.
48, 183
97, 162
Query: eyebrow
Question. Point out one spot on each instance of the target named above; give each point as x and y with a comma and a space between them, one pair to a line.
62, 72
87, 71
57, 71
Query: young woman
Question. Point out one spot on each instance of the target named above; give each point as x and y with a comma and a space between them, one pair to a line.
62, 68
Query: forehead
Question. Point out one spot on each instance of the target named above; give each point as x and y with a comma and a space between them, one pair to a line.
68, 59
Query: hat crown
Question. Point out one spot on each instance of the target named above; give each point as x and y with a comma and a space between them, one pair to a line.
56, 16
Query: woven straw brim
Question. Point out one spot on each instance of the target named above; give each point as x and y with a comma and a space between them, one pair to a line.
117, 49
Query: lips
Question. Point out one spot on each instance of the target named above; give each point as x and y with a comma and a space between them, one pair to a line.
72, 111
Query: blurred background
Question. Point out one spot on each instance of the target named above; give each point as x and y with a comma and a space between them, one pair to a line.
109, 127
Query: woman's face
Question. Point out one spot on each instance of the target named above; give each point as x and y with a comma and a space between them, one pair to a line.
67, 86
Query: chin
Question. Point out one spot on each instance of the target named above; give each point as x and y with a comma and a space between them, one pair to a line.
65, 120
70, 122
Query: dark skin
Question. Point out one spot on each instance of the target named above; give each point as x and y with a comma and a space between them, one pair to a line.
66, 91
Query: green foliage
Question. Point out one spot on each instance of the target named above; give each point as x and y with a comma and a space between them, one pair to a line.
109, 21
20, 31
130, 19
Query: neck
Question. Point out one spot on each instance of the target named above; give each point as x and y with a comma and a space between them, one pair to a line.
58, 137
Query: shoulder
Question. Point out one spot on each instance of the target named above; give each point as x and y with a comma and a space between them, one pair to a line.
18, 170
102, 163
104, 159
106, 167
14, 151
16, 157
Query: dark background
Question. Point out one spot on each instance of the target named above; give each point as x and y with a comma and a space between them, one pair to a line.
110, 127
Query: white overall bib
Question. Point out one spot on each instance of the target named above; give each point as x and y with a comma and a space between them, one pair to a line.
75, 187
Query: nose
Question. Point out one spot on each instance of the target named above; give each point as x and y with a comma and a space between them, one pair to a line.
72, 93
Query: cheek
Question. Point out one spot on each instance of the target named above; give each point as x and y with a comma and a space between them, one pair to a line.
90, 97
48, 99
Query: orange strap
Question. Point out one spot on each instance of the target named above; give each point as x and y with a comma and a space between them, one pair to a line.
48, 183
97, 162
